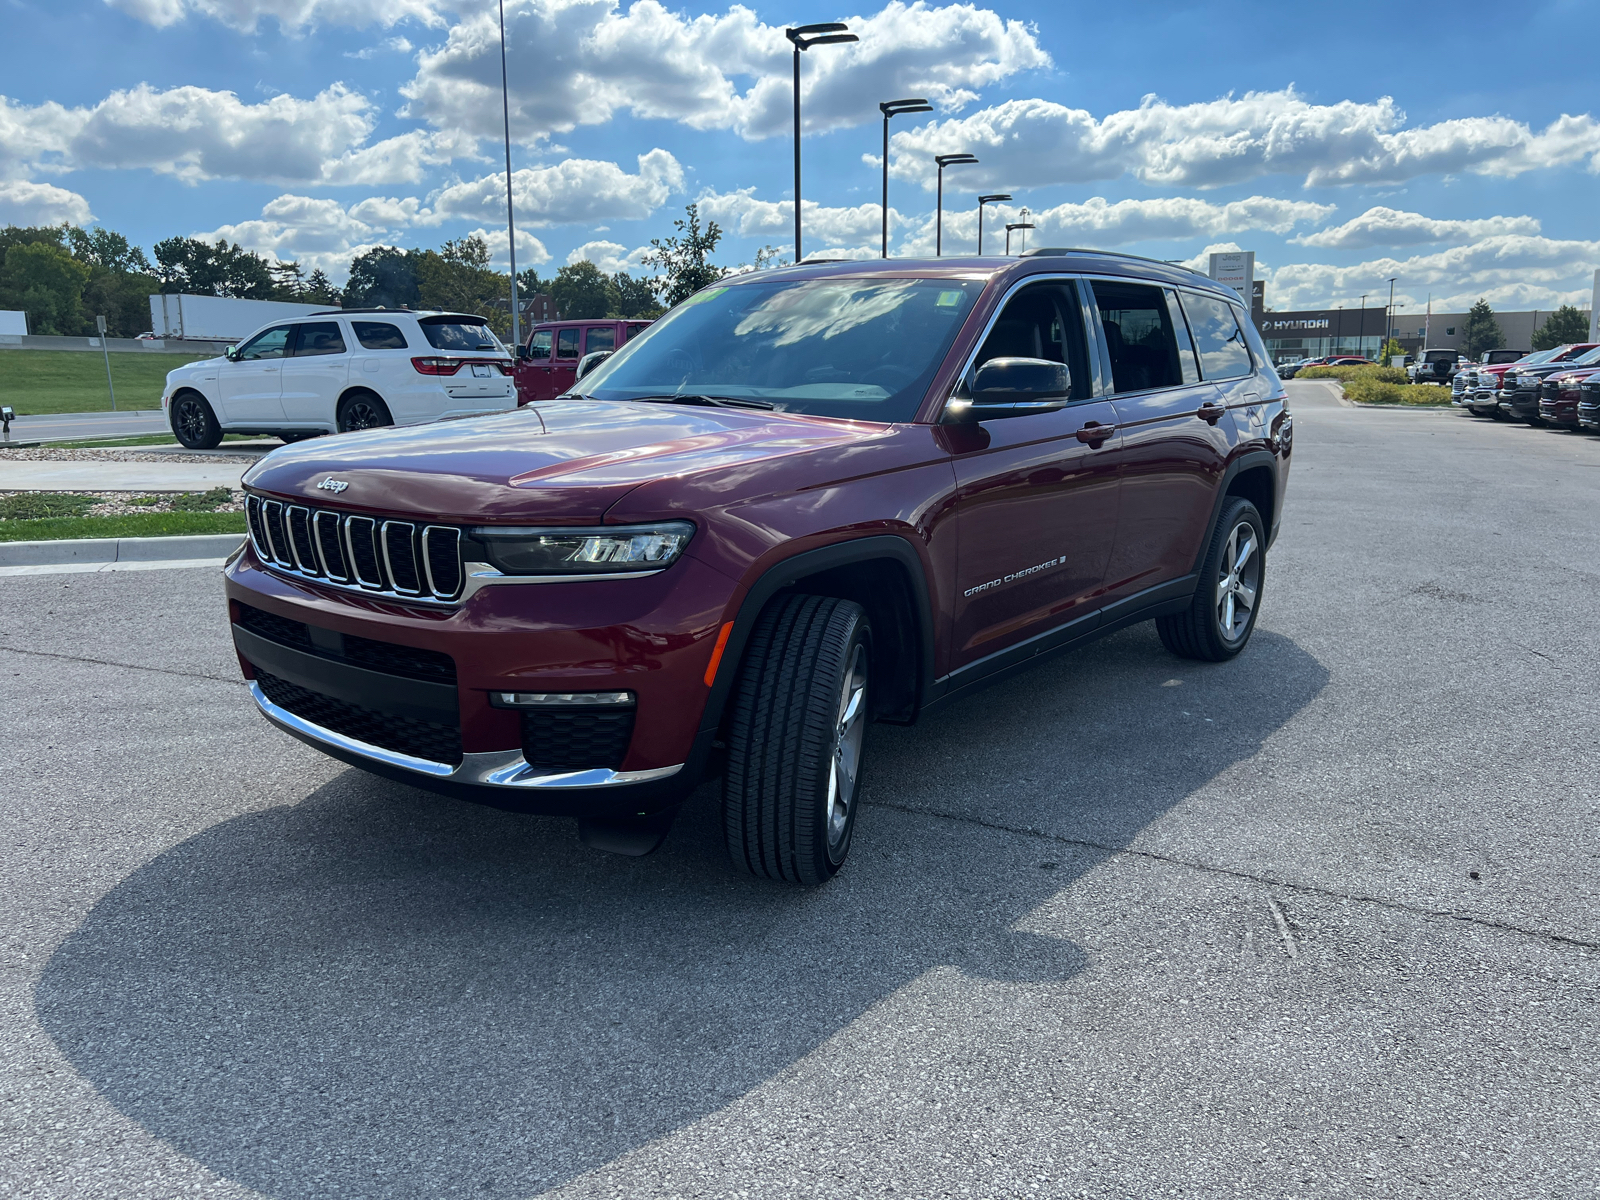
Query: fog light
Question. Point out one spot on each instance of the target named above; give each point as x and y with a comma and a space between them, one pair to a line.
560, 699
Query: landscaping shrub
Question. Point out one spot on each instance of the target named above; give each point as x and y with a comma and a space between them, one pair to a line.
200, 501
1378, 391
31, 505
1381, 374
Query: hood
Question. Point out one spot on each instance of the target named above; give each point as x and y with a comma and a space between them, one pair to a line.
199, 363
561, 461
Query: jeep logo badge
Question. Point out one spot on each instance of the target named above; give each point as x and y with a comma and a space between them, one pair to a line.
330, 484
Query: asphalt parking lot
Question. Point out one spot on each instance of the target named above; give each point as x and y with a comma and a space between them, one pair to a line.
1324, 921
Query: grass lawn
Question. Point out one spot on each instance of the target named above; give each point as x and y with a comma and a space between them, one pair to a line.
136, 525
35, 382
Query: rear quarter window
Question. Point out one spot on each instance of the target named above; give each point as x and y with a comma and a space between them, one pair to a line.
1217, 336
459, 335
379, 335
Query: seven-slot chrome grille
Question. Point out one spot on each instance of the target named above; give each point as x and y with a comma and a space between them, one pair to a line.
402, 559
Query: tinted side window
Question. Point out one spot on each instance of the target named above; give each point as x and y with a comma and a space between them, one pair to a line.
1139, 336
1217, 335
601, 338
269, 343
1042, 321
319, 337
458, 335
539, 344
379, 335
635, 328
567, 344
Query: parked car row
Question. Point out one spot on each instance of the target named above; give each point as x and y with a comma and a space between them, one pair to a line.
1547, 387
1288, 370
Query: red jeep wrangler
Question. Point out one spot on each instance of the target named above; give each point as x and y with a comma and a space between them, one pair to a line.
803, 500
547, 363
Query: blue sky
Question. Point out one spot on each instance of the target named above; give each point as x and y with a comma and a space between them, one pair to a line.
1339, 144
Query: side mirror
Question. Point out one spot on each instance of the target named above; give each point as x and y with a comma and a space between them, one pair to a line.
231, 354
1014, 387
522, 353
590, 361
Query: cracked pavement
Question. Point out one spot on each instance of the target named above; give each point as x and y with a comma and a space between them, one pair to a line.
1318, 922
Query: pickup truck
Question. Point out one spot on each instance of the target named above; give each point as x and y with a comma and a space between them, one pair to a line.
547, 363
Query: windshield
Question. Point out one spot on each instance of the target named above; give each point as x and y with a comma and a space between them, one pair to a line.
865, 349
460, 335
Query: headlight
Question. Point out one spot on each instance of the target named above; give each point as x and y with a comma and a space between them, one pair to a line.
601, 550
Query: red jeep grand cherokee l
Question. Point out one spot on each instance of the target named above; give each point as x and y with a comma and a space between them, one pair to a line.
804, 500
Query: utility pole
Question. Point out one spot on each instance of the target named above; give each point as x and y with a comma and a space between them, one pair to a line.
511, 224
1361, 335
943, 161
804, 37
100, 324
998, 197
894, 108
1388, 317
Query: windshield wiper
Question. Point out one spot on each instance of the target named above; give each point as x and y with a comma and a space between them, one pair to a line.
709, 401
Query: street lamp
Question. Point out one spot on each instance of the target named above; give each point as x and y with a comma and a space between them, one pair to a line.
511, 225
1361, 329
945, 160
982, 200
804, 37
894, 108
1015, 225
1388, 316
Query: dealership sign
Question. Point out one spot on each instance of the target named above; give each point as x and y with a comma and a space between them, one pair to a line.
1236, 270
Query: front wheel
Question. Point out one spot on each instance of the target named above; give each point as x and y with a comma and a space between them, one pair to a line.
1222, 615
193, 422
799, 716
362, 410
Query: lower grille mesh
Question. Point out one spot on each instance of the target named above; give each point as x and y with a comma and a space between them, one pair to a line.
404, 735
575, 740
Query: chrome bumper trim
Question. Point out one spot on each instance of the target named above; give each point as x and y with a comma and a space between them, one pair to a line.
494, 768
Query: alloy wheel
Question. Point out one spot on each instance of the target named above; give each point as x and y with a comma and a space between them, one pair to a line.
190, 419
850, 729
361, 414
1239, 581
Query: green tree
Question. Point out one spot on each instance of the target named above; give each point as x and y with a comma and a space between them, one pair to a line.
31, 235
580, 291
320, 290
1481, 332
1391, 348
107, 249
47, 283
457, 277
122, 298
630, 297
1565, 325
219, 269
385, 277
683, 259
528, 282
288, 281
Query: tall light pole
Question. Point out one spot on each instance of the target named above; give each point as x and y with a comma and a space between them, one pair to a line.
511, 223
804, 37
945, 160
1009, 228
1388, 316
982, 200
1361, 329
894, 108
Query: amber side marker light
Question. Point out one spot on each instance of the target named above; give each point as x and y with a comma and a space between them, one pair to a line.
716, 654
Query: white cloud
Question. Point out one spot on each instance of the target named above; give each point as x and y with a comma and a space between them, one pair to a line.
574, 190
25, 203
1037, 143
744, 216
195, 134
577, 62
1393, 227
1511, 270
611, 257
394, 45
292, 15
531, 251
317, 233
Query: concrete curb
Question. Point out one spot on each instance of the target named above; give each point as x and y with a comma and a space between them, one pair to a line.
113, 550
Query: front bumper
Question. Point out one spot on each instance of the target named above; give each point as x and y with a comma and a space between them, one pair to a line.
651, 636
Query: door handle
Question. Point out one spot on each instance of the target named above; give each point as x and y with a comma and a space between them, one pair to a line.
1211, 412
1095, 432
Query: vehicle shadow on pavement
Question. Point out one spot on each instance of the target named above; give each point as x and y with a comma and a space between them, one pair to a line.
379, 992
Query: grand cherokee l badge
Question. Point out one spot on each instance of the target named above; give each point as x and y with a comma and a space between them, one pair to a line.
330, 484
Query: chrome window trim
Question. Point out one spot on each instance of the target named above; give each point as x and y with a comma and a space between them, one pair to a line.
495, 768
388, 564
1111, 393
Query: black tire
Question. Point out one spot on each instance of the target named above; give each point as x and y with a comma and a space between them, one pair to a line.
1199, 632
362, 410
793, 779
193, 423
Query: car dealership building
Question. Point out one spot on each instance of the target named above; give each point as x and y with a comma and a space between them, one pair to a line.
1314, 333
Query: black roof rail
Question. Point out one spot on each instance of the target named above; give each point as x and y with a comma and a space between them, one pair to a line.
334, 312
1055, 251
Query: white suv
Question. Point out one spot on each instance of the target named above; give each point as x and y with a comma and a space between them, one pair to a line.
332, 372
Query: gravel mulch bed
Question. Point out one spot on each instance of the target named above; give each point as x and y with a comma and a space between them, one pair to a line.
46, 454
